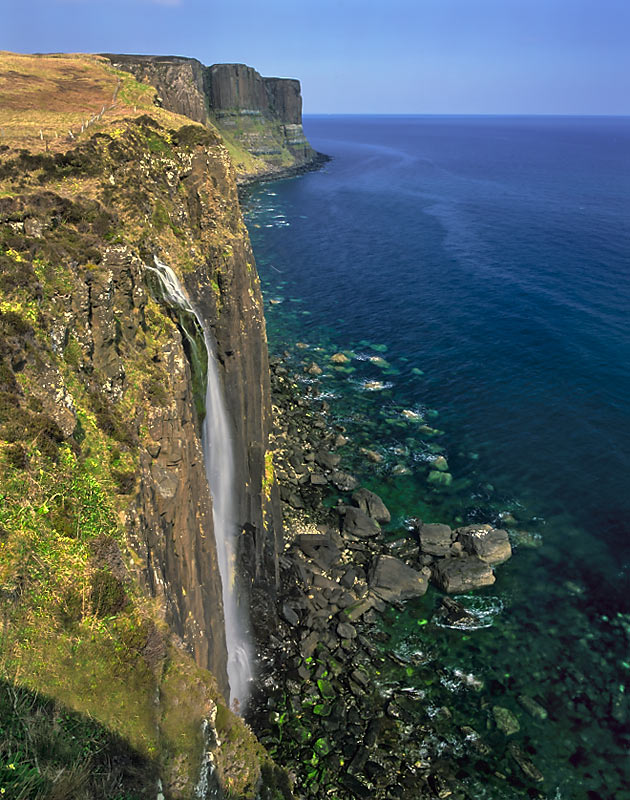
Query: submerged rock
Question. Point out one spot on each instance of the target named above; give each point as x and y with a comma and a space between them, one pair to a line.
505, 720
438, 478
392, 580
532, 707
462, 574
528, 769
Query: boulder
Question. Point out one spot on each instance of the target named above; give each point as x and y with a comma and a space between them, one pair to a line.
372, 505
491, 545
505, 720
435, 539
357, 523
326, 459
343, 481
462, 574
392, 580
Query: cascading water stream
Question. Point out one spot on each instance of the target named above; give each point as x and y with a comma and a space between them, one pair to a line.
219, 463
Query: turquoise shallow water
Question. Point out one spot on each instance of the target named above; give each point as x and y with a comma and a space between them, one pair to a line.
474, 271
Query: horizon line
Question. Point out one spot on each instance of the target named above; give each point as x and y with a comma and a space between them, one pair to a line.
456, 114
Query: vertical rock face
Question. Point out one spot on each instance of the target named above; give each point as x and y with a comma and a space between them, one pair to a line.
180, 81
262, 116
285, 99
236, 87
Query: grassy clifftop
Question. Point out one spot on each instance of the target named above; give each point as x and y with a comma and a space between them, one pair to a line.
101, 654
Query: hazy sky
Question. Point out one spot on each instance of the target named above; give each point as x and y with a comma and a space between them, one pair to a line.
379, 56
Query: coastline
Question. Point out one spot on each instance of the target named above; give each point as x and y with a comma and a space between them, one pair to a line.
335, 705
250, 181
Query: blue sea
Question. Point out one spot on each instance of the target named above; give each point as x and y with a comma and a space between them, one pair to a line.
475, 273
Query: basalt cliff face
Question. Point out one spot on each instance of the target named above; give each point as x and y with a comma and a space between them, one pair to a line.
260, 118
109, 586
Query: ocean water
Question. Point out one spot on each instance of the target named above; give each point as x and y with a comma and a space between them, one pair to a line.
475, 271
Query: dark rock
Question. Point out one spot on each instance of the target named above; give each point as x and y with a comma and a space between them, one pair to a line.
349, 577
308, 644
358, 609
356, 523
289, 615
372, 505
318, 480
346, 631
343, 481
491, 545
392, 580
327, 460
435, 539
462, 574
454, 614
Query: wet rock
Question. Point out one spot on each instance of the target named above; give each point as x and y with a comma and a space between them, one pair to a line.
505, 720
356, 523
343, 481
371, 455
532, 707
326, 459
435, 539
339, 358
528, 769
340, 440
491, 545
318, 479
392, 580
454, 615
462, 574
313, 369
372, 505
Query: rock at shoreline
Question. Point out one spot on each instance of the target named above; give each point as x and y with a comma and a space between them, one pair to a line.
435, 539
392, 580
491, 545
454, 615
343, 481
326, 459
462, 574
313, 369
339, 358
372, 505
357, 523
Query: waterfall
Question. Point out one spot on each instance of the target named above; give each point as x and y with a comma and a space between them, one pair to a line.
219, 462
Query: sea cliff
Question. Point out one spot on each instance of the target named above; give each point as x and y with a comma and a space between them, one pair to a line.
259, 118
111, 594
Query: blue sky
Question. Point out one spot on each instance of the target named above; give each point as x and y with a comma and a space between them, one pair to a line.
369, 56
